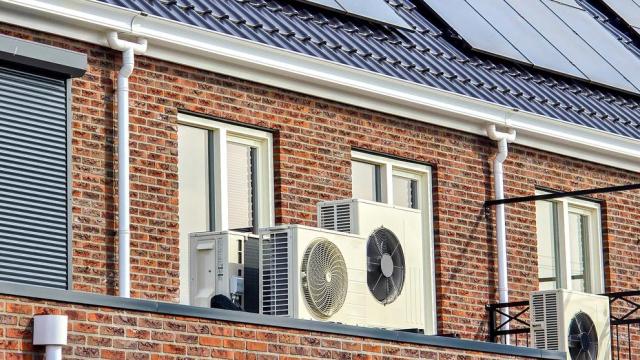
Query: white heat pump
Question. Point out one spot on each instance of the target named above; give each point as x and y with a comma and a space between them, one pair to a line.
223, 263
573, 322
395, 252
314, 274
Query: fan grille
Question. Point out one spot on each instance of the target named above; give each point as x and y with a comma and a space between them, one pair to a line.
385, 266
324, 278
583, 338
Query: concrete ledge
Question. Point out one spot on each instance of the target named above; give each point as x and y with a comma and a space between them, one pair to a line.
65, 62
74, 297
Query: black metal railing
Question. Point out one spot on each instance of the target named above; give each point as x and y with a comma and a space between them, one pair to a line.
513, 326
625, 324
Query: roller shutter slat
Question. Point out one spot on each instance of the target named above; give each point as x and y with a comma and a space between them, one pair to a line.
33, 179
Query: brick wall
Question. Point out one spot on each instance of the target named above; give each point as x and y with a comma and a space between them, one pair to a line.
312, 163
107, 333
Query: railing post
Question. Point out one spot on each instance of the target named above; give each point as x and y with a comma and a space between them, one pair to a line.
492, 323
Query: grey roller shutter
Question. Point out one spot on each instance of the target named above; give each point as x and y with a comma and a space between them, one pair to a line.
33, 179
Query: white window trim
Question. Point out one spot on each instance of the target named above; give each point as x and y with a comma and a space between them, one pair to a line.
263, 140
595, 247
422, 173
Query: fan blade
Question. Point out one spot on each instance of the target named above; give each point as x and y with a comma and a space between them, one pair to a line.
395, 249
375, 286
394, 288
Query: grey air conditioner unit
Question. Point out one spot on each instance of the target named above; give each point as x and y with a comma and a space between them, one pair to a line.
224, 263
573, 322
314, 274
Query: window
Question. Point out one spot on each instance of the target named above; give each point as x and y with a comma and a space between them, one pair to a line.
405, 190
569, 245
366, 180
387, 180
225, 176
241, 183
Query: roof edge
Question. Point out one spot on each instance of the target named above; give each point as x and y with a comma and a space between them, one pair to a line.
220, 53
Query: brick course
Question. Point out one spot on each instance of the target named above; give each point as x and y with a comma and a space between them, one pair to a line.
312, 144
106, 333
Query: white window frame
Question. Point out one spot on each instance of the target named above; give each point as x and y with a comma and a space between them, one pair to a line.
595, 261
423, 174
391, 166
263, 141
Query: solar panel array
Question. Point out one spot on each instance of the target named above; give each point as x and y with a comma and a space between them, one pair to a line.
628, 10
554, 35
374, 10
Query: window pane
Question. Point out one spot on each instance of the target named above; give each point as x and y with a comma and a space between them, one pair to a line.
405, 192
240, 185
547, 233
578, 236
365, 181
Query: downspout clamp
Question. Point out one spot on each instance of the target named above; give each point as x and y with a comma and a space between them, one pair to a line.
124, 234
501, 237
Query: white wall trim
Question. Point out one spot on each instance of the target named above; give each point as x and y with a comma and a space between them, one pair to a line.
88, 20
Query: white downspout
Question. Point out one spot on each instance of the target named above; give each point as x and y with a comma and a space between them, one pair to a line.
501, 236
124, 234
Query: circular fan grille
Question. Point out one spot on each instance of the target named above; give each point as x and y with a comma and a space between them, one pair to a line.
324, 278
583, 338
385, 266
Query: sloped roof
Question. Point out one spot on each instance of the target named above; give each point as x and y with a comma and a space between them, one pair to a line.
424, 56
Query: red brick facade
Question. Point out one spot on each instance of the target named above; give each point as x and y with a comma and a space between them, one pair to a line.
107, 333
312, 143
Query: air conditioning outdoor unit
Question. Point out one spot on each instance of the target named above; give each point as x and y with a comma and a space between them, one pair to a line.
314, 274
573, 322
395, 253
224, 263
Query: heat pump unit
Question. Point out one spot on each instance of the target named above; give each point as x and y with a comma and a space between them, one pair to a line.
314, 274
395, 255
224, 263
573, 322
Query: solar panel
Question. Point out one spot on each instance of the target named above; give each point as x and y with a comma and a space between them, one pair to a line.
628, 10
526, 38
330, 4
568, 43
555, 35
603, 42
476, 31
377, 10
374, 10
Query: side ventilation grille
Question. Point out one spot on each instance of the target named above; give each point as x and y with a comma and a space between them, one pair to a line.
544, 316
551, 319
537, 317
275, 274
336, 217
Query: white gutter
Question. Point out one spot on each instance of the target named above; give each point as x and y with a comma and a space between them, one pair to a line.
501, 236
124, 234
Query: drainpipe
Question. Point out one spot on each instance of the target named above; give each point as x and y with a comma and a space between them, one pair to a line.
501, 236
124, 234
